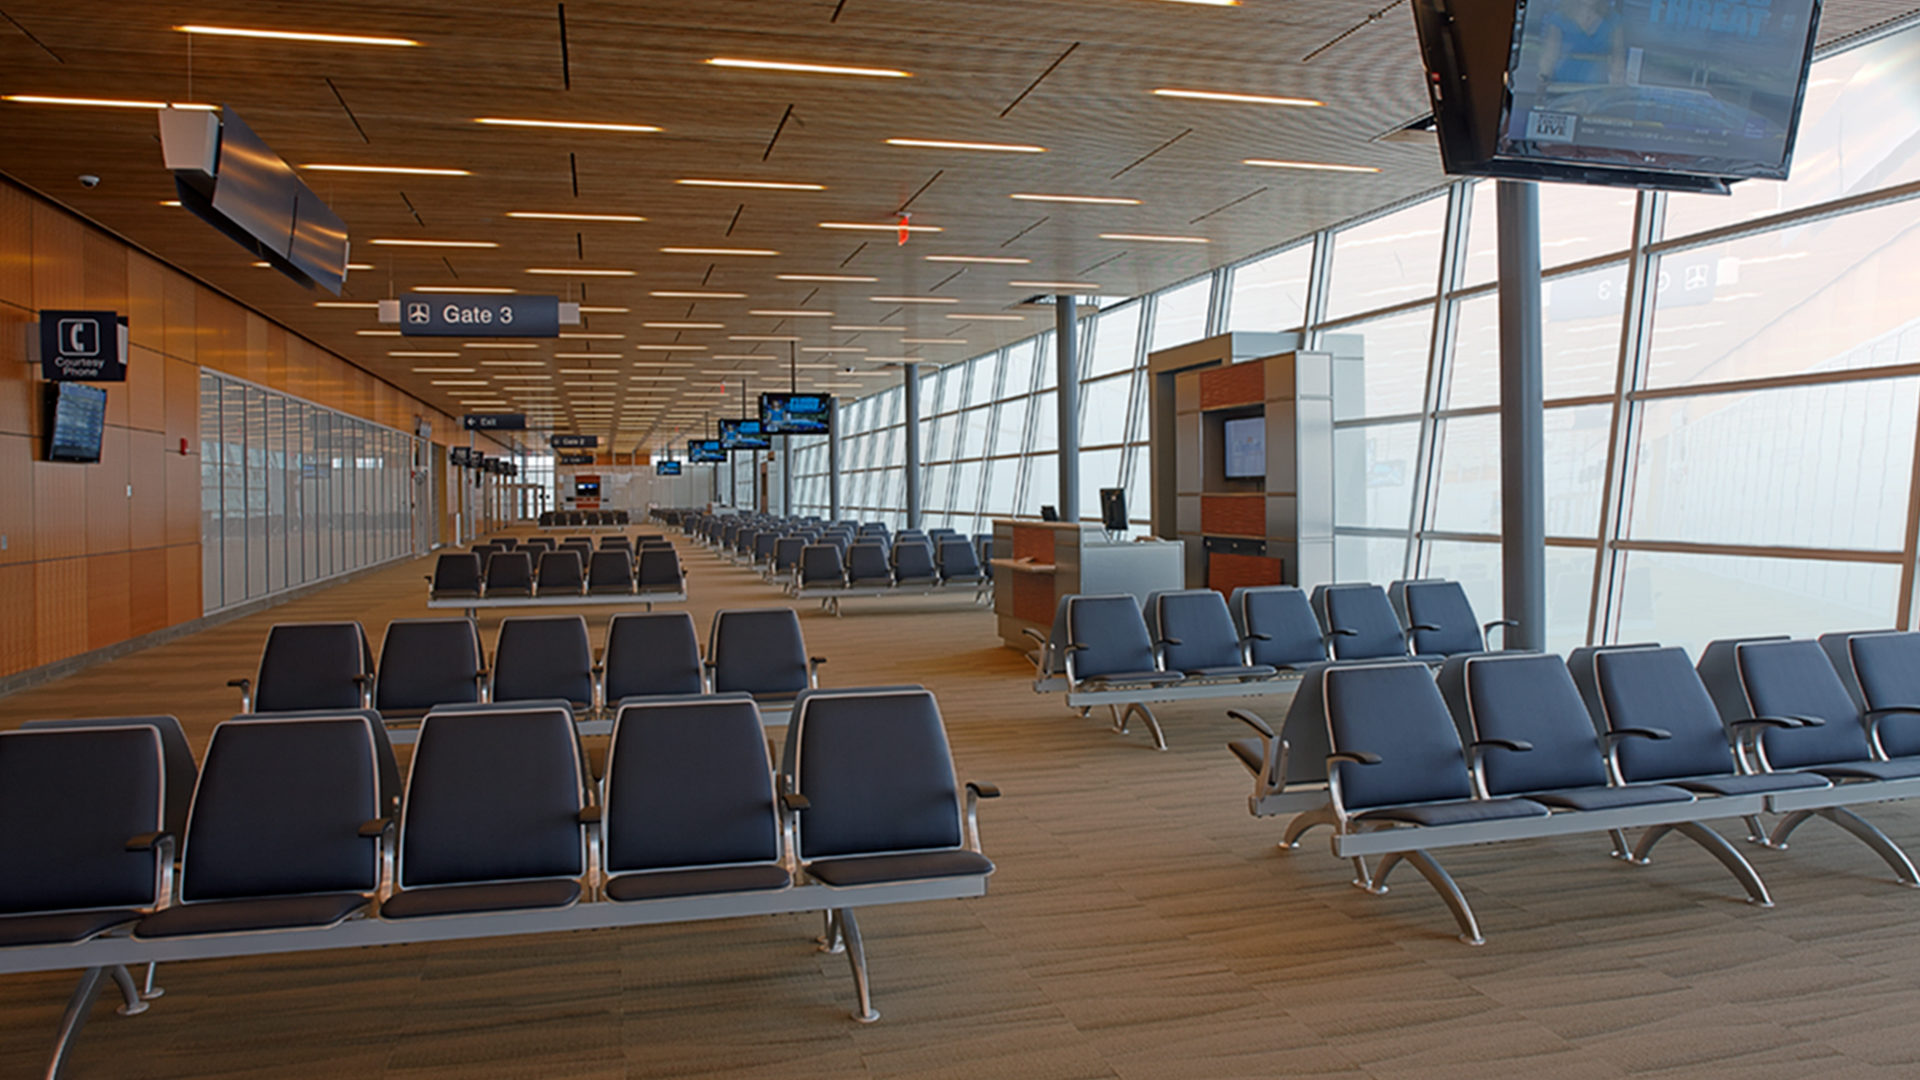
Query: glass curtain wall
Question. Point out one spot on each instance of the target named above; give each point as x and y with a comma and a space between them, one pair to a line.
292, 493
1732, 386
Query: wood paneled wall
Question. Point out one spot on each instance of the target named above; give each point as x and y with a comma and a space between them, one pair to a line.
91, 555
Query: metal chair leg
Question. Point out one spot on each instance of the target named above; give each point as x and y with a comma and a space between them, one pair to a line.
1302, 822
150, 991
1787, 825
857, 957
122, 978
830, 940
1621, 850
1443, 884
1642, 854
1868, 834
73, 1020
1717, 846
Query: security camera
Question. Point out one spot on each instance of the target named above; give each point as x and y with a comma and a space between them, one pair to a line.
88, 180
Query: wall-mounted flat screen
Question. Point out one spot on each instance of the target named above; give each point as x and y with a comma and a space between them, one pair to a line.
705, 451
76, 416
1245, 441
743, 435
666, 468
1675, 94
796, 414
586, 489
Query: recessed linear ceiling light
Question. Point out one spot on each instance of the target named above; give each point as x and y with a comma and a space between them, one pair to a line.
768, 185
413, 354
668, 294
858, 329
513, 363
1003, 260
824, 277
1312, 166
368, 304
1101, 200
571, 125
535, 215
524, 376
729, 356
106, 103
989, 318
684, 325
582, 356
817, 366
1208, 3
377, 333
913, 300
833, 349
269, 266
792, 313
715, 251
489, 290
760, 337
175, 203
498, 345
932, 341
295, 35
391, 242
593, 337
584, 310
443, 371
943, 144
459, 382
1086, 285
807, 69
1245, 99
670, 348
1152, 238
861, 226
577, 271
400, 170
657, 378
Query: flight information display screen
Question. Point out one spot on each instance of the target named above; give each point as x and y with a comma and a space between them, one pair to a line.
796, 414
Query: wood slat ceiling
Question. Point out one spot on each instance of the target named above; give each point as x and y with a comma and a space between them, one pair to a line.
977, 74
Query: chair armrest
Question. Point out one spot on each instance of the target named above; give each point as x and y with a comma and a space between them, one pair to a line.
245, 686
150, 841
794, 802
373, 828
975, 792
1252, 720
1353, 757
1424, 626
1342, 631
1621, 734
1795, 720
1518, 746
983, 790
1765, 722
1169, 641
1888, 710
588, 815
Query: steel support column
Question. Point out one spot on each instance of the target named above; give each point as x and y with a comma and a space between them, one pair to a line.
911, 399
1523, 521
1066, 352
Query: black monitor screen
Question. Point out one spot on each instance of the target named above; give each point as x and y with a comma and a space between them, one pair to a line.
1711, 88
706, 451
796, 414
586, 489
76, 415
743, 435
666, 468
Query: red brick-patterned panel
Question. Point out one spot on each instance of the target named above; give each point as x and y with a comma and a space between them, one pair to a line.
1229, 572
1036, 545
1235, 384
1233, 515
1032, 597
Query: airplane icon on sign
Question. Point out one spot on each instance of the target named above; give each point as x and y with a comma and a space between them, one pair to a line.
418, 312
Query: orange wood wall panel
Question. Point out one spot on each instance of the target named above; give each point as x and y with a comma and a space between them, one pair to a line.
1235, 384
60, 609
1233, 515
19, 392
1033, 597
59, 509
146, 302
182, 497
16, 619
147, 472
1229, 572
59, 269
16, 498
179, 299
146, 599
107, 495
182, 393
145, 391
107, 614
183, 583
1034, 544
16, 247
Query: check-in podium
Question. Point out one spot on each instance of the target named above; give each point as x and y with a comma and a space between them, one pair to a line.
1037, 562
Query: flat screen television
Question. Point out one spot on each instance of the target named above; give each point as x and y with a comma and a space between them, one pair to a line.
1676, 94
1113, 509
586, 489
796, 414
705, 451
666, 468
76, 416
1245, 441
743, 435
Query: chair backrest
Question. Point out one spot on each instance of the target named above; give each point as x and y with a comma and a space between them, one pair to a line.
1107, 635
508, 542
70, 799
560, 571
545, 543
867, 564
1886, 666
1794, 678
427, 662
1650, 687
1198, 620
543, 657
913, 559
957, 559
878, 774
1280, 624
493, 794
758, 651
511, 572
1359, 622
689, 784
786, 552
620, 540
763, 545
178, 769
279, 807
1393, 710
611, 571
820, 565
312, 666
660, 568
1441, 604
1529, 697
652, 654
456, 573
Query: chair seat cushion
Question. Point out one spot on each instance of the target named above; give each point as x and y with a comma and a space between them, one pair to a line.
610, 590
1251, 752
1458, 812
455, 594
63, 928
882, 869
924, 580
1238, 671
472, 899
1897, 769
1119, 679
234, 916
723, 879
1611, 798
1751, 785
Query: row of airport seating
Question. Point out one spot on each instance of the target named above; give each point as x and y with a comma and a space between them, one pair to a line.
434, 663
1190, 644
829, 562
492, 577
583, 519
1518, 745
300, 834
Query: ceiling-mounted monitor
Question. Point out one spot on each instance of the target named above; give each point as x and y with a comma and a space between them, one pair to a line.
743, 435
1684, 95
705, 451
796, 414
666, 468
